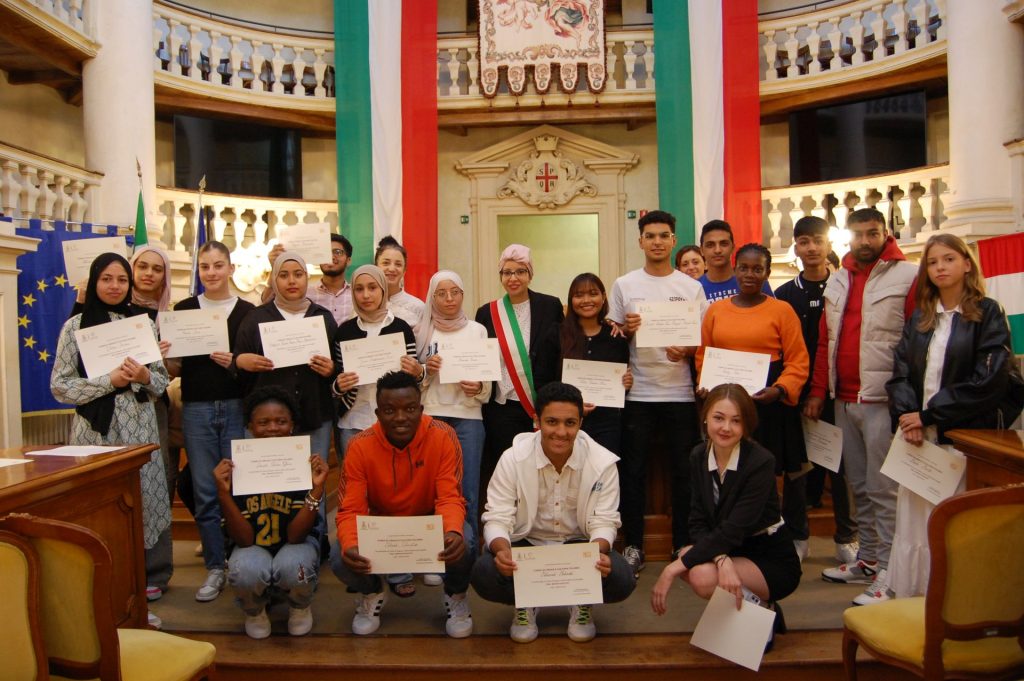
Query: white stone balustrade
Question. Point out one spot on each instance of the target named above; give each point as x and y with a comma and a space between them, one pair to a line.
237, 62
630, 60
71, 13
830, 45
912, 202
37, 186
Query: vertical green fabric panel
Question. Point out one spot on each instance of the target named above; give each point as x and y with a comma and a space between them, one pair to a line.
674, 102
353, 133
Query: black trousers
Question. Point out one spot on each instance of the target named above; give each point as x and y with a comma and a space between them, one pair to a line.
502, 422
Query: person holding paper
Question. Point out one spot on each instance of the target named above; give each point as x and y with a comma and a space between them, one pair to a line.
740, 541
117, 408
751, 321
407, 464
332, 292
717, 246
212, 408
584, 334
553, 486
392, 259
457, 404
690, 261
660, 406
276, 536
954, 369
309, 384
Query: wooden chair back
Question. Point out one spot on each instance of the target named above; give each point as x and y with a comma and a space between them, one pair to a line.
21, 641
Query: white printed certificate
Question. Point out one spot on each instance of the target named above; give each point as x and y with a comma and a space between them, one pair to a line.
79, 254
927, 470
557, 574
194, 332
398, 544
311, 241
104, 347
266, 465
371, 358
466, 359
668, 323
749, 369
824, 443
294, 341
735, 635
600, 382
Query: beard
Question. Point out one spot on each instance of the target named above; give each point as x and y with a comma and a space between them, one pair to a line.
332, 271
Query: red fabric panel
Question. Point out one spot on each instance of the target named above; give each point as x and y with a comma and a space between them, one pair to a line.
1001, 254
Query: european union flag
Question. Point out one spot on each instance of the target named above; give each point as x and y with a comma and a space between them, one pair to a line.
45, 298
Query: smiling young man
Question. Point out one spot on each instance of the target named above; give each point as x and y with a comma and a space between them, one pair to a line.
717, 246
553, 486
661, 400
407, 464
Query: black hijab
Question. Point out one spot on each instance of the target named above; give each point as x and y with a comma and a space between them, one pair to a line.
100, 412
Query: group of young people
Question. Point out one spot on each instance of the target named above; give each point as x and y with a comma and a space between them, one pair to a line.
544, 466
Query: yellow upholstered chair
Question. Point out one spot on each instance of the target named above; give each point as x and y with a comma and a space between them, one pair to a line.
77, 621
970, 624
21, 642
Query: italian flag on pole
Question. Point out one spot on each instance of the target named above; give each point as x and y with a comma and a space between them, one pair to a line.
386, 100
708, 109
1002, 263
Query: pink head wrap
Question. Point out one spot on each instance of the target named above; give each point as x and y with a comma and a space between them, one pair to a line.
517, 253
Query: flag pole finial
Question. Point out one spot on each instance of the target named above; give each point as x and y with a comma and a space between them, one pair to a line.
202, 184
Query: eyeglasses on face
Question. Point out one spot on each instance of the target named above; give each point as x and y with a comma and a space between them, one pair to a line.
518, 274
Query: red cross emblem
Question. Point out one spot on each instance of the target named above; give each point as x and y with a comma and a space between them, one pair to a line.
546, 177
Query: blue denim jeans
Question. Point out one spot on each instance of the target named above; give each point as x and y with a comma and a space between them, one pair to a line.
320, 440
253, 571
208, 429
471, 437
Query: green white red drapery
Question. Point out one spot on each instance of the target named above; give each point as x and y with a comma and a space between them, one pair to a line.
386, 101
708, 108
1002, 263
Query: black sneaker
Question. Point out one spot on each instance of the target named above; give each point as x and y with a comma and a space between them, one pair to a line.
634, 555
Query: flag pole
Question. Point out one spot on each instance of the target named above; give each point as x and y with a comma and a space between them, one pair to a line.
193, 286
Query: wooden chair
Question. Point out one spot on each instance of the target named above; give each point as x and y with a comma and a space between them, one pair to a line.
80, 638
21, 641
970, 624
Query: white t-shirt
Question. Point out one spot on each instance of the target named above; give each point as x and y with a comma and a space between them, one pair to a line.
226, 305
655, 379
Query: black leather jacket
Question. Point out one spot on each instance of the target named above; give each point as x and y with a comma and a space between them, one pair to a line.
976, 374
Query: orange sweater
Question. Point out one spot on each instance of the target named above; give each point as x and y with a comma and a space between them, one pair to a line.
423, 479
771, 328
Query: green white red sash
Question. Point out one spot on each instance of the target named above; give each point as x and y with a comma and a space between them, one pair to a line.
514, 352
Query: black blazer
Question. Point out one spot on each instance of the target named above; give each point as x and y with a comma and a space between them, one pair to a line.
748, 502
545, 311
977, 372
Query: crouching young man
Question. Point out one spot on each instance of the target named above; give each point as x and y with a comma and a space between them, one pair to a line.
553, 486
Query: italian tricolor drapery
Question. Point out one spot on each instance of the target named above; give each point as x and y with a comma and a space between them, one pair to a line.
708, 109
1002, 262
386, 99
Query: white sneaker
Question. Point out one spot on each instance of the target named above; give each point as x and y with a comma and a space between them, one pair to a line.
857, 572
847, 553
154, 621
212, 587
300, 621
154, 593
524, 625
367, 617
801, 549
460, 621
877, 592
257, 626
581, 624
431, 579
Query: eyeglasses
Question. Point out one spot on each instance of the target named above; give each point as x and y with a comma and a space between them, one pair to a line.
518, 274
450, 295
337, 252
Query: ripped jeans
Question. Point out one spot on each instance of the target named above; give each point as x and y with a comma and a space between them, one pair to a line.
253, 571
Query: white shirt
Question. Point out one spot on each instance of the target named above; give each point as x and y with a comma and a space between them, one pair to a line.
338, 303
936, 358
226, 305
290, 315
505, 390
407, 307
556, 520
731, 465
655, 379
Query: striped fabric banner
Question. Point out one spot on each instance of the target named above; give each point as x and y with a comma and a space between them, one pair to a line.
1002, 263
386, 121
709, 162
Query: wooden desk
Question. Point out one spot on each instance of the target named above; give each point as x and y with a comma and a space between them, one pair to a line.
102, 493
994, 457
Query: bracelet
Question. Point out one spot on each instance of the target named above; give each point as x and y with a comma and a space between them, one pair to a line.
720, 559
312, 503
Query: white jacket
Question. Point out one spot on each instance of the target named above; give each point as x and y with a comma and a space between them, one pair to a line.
512, 493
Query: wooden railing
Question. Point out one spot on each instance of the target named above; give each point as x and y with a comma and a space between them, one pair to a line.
37, 186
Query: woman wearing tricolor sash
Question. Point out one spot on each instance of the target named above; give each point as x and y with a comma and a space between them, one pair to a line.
517, 320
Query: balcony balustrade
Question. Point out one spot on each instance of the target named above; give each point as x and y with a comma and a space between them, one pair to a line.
72, 14
37, 186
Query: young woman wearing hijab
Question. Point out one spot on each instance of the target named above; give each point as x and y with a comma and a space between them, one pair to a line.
309, 384
392, 260
457, 404
518, 320
116, 408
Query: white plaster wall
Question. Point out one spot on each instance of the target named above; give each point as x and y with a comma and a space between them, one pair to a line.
775, 154
36, 118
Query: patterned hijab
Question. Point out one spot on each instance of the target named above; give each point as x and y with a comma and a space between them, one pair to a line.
377, 274
164, 301
293, 306
433, 318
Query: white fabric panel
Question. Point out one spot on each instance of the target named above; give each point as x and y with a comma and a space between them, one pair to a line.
708, 110
385, 25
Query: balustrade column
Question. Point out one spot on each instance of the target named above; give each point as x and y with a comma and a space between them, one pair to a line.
117, 134
986, 88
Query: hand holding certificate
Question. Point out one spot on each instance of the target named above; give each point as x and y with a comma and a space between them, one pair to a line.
824, 443
557, 574
371, 358
294, 341
194, 332
311, 241
105, 347
600, 382
664, 324
465, 359
397, 544
79, 254
749, 369
926, 469
270, 464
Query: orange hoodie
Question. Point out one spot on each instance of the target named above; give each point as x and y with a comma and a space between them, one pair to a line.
424, 478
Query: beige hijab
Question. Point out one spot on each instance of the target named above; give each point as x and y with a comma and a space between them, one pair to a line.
377, 274
293, 306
